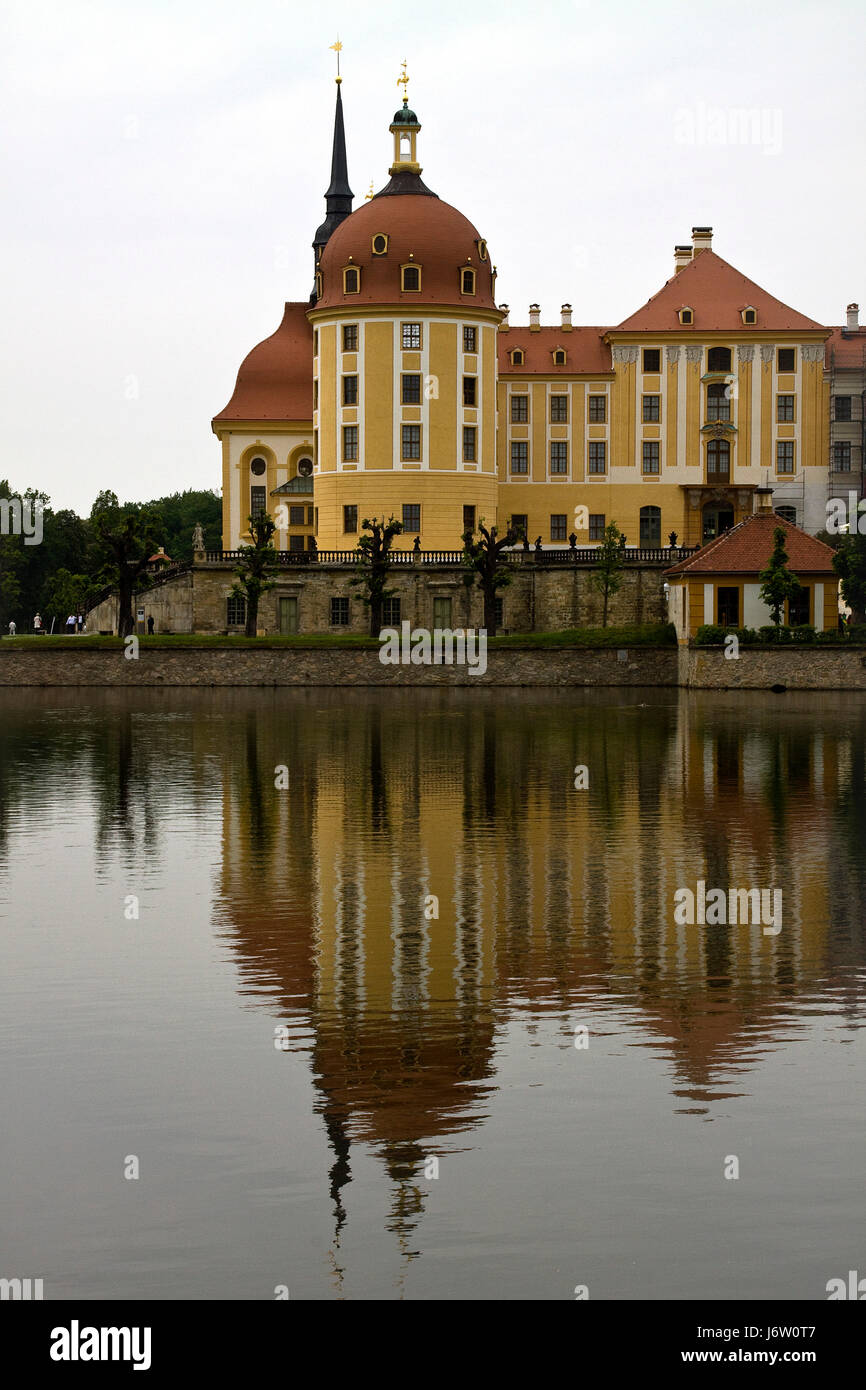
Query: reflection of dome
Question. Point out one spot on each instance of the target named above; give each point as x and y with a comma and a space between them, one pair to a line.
421, 229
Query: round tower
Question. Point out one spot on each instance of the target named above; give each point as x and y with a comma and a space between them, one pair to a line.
405, 334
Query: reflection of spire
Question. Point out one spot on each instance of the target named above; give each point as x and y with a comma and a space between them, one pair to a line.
340, 1175
403, 1160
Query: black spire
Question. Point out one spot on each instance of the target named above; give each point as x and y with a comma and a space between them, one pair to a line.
338, 199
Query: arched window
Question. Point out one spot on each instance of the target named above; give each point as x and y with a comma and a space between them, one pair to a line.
410, 277
650, 526
517, 357
467, 282
718, 460
787, 514
351, 280
719, 359
718, 401
559, 357
686, 316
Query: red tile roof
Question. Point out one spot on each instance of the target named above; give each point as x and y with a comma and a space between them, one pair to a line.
747, 547
586, 352
846, 348
275, 381
423, 229
717, 293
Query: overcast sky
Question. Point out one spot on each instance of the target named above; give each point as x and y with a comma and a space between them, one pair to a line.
164, 165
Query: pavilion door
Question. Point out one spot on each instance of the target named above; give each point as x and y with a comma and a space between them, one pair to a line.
288, 616
729, 607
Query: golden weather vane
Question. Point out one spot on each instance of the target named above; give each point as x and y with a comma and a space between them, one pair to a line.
337, 48
403, 81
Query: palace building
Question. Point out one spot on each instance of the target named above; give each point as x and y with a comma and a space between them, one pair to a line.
402, 388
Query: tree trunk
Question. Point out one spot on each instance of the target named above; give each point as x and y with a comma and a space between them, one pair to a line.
604, 611
376, 609
490, 611
252, 616
125, 619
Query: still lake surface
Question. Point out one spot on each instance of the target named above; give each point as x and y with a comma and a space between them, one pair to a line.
246, 988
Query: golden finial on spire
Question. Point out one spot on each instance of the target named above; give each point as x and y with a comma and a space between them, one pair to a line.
336, 48
403, 81
369, 194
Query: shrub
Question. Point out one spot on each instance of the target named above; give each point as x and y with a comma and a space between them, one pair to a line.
804, 632
710, 635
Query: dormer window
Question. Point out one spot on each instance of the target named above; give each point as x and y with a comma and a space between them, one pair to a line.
351, 279
559, 357
467, 282
482, 250
750, 315
516, 356
318, 284
410, 278
686, 316
380, 244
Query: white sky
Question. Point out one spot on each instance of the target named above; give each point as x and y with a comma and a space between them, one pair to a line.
164, 165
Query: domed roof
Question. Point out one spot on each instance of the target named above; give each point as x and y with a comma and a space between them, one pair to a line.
421, 229
275, 381
406, 116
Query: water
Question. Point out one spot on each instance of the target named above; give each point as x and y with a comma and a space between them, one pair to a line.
246, 991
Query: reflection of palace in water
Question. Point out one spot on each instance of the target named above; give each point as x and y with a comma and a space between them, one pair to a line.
550, 899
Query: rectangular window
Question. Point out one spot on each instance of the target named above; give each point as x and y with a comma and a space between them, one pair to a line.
519, 523
559, 409
798, 608
469, 390
311, 543
258, 501
784, 455
411, 388
469, 443
350, 520
651, 409
442, 614
842, 456
498, 611
785, 408
842, 409
236, 610
519, 410
559, 456
309, 516
411, 337
469, 338
468, 518
787, 359
652, 359
596, 526
559, 526
597, 410
350, 443
296, 516
519, 456
597, 456
296, 543
651, 456
339, 612
412, 517
350, 390
410, 442
350, 337
391, 612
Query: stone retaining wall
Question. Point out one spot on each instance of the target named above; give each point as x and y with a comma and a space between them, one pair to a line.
307, 666
805, 668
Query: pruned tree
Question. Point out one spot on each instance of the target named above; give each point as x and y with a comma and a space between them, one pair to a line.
607, 576
257, 563
849, 562
374, 564
778, 584
125, 538
484, 557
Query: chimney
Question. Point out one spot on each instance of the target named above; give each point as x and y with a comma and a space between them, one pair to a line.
853, 318
682, 256
566, 318
534, 318
763, 499
504, 325
702, 239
